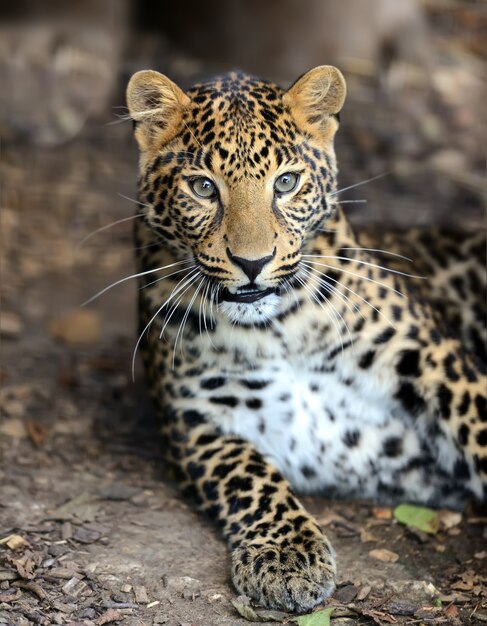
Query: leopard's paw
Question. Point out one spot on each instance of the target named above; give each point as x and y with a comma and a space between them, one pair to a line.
294, 573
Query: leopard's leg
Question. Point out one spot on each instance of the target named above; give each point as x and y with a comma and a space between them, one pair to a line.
280, 556
443, 389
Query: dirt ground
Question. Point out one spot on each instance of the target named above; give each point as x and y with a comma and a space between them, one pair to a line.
91, 532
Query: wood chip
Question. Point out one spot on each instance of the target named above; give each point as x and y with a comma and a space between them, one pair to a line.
387, 556
15, 542
74, 587
126, 588
151, 604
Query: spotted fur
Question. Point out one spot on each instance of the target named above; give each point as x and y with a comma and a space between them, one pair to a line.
283, 353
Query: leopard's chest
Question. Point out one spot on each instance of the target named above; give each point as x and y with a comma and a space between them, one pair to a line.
320, 431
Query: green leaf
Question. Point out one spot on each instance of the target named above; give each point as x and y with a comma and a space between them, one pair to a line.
320, 618
418, 517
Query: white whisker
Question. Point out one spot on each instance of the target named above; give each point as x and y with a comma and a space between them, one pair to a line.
356, 294
388, 252
363, 182
122, 280
180, 332
379, 267
106, 227
153, 282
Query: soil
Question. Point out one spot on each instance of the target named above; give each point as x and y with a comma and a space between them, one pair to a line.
91, 530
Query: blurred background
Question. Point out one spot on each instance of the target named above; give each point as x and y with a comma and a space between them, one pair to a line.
415, 110
71, 419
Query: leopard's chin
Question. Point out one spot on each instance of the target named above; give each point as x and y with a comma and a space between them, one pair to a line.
252, 312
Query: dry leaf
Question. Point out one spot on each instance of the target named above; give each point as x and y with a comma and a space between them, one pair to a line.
384, 555
449, 519
24, 565
382, 512
452, 611
245, 610
37, 432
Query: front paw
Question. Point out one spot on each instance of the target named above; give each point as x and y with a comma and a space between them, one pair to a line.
294, 573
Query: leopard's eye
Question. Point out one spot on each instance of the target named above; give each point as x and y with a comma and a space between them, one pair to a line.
286, 182
203, 187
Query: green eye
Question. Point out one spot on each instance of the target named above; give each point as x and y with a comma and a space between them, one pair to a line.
203, 187
286, 182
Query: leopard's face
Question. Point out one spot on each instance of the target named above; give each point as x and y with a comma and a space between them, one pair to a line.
238, 175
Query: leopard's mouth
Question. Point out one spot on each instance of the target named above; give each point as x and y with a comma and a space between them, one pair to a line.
246, 294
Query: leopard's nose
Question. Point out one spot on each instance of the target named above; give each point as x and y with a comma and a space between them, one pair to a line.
251, 267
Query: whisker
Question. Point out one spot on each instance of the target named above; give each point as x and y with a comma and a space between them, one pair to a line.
379, 267
186, 281
153, 282
337, 312
106, 227
353, 201
356, 294
388, 252
363, 182
334, 290
122, 280
313, 295
134, 200
180, 332
145, 330
371, 280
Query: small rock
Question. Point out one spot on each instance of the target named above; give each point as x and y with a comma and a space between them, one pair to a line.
82, 534
77, 327
401, 608
140, 594
119, 491
112, 615
10, 325
363, 592
345, 594
449, 519
387, 556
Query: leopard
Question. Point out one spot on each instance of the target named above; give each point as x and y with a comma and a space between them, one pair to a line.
286, 354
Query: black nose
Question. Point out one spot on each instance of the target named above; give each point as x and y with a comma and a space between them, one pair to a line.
251, 267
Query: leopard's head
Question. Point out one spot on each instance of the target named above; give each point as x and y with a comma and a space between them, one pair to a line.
238, 174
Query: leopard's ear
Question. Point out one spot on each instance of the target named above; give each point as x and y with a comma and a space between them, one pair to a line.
156, 105
315, 99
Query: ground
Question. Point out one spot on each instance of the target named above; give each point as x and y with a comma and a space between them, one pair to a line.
91, 530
